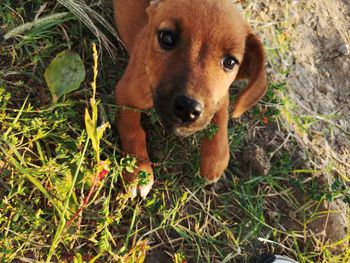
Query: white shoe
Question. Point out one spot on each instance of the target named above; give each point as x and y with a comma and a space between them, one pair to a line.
276, 259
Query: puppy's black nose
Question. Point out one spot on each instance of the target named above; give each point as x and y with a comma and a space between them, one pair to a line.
187, 109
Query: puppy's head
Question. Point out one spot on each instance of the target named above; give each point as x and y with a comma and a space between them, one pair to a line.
198, 48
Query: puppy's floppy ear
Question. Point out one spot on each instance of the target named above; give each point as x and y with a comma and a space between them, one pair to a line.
253, 68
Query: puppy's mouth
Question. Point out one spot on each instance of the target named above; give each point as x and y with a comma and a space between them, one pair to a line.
182, 129
180, 113
174, 125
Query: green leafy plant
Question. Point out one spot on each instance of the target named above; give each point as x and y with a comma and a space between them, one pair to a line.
143, 177
210, 131
95, 134
65, 74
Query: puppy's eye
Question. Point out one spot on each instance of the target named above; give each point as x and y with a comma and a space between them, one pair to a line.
167, 39
229, 63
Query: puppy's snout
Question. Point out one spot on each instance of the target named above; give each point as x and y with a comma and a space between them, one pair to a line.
187, 109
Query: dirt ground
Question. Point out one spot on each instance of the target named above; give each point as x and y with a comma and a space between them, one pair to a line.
320, 87
320, 84
317, 62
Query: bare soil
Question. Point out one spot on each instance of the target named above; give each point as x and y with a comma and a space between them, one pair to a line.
320, 83
317, 60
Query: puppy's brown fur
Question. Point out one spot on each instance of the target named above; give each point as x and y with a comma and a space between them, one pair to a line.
207, 32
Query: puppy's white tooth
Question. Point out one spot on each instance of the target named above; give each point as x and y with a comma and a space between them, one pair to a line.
133, 192
144, 190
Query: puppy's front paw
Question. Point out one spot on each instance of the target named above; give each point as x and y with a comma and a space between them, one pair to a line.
142, 190
145, 180
214, 164
140, 181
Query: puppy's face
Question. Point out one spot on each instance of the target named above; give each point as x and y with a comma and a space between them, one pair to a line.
194, 56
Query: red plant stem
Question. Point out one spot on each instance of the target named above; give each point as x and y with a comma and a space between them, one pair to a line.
98, 177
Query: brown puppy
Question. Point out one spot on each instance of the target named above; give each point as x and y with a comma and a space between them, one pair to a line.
184, 55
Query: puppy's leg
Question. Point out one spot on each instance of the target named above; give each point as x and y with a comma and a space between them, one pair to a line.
133, 140
132, 91
215, 152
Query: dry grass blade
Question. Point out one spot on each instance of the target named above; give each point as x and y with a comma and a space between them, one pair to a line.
89, 17
36, 23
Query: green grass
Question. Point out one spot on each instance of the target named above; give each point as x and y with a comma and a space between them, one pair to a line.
48, 166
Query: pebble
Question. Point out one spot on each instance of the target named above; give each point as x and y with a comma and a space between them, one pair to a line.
344, 49
343, 123
295, 2
326, 88
257, 7
257, 159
